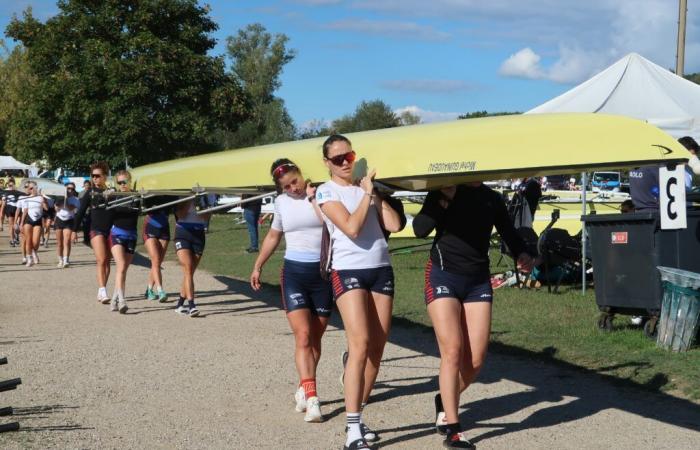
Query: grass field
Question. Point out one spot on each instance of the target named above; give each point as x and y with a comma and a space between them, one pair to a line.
556, 327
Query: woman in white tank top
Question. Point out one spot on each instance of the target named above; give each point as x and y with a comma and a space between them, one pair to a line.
362, 277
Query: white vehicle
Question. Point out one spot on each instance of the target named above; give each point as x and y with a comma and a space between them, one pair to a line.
64, 176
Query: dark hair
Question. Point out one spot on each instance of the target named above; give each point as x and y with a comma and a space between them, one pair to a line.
282, 162
100, 165
331, 139
689, 143
627, 206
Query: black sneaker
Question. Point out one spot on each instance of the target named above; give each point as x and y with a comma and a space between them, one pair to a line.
457, 440
440, 424
251, 250
357, 444
193, 311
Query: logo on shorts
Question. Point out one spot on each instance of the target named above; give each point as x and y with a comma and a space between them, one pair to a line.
296, 299
442, 290
323, 310
178, 245
486, 296
351, 283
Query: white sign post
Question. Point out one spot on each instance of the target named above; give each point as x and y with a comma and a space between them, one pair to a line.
672, 198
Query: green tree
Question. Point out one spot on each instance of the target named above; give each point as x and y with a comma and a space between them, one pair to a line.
408, 118
478, 114
122, 79
694, 77
369, 115
15, 80
258, 59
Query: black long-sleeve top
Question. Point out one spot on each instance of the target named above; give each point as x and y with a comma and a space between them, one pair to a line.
125, 217
94, 203
463, 229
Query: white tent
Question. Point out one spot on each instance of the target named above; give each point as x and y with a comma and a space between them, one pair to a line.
638, 88
10, 163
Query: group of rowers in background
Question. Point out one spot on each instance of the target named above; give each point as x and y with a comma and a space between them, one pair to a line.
336, 258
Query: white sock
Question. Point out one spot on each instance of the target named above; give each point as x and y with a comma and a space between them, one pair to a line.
102, 292
354, 433
159, 289
65, 259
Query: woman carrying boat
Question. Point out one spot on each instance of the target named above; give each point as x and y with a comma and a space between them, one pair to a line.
306, 297
362, 277
156, 236
9, 209
65, 215
93, 204
189, 247
33, 207
122, 239
458, 291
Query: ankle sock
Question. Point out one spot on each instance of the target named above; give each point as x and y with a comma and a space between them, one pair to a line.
309, 386
354, 433
190, 303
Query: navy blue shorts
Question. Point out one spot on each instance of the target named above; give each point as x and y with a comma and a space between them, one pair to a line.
63, 224
34, 223
152, 231
378, 279
193, 240
467, 289
303, 288
128, 242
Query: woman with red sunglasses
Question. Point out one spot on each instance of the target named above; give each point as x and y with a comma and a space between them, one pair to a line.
94, 204
362, 277
306, 297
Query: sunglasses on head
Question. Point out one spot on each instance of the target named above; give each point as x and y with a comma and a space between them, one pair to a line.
123, 182
282, 169
338, 160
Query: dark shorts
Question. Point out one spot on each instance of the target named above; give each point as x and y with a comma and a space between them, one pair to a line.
378, 279
303, 288
467, 289
128, 242
10, 211
151, 231
193, 240
94, 233
49, 213
34, 223
64, 224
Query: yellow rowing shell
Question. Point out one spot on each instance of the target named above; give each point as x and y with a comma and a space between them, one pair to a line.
423, 157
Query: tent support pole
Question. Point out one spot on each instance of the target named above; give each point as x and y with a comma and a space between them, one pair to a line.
680, 53
584, 182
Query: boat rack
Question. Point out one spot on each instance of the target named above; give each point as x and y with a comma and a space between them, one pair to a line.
8, 385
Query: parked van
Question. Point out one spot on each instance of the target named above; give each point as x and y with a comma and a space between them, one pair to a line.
606, 181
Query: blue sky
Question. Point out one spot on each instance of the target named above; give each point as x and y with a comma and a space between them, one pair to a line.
439, 58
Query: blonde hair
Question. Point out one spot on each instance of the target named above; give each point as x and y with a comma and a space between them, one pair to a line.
123, 173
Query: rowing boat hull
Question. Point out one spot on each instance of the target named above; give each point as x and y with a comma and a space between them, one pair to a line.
423, 157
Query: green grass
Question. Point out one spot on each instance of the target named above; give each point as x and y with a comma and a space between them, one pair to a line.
555, 327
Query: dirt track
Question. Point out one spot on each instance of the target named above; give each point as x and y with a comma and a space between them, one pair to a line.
153, 379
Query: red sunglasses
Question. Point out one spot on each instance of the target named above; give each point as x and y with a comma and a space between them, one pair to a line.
282, 169
338, 160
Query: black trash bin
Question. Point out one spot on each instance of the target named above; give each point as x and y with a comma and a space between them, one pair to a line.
625, 250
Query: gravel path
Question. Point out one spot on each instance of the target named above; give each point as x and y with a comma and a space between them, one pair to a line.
153, 379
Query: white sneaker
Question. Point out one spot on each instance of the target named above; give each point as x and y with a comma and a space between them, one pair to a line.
122, 306
66, 264
313, 410
113, 305
182, 310
30, 263
24, 260
60, 264
35, 258
300, 399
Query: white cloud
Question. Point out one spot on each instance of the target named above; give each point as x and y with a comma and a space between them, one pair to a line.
399, 30
427, 116
428, 86
523, 64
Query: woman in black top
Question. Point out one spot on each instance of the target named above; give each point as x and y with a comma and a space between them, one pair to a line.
94, 204
458, 291
122, 239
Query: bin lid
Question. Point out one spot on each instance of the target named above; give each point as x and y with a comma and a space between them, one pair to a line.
680, 277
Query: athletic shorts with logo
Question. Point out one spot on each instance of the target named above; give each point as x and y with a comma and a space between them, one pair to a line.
377, 279
151, 231
63, 224
126, 241
303, 288
467, 289
189, 239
